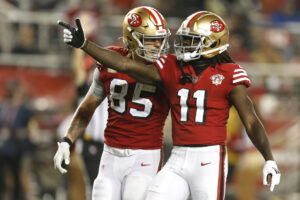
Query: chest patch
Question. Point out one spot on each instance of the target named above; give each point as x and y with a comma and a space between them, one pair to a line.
217, 79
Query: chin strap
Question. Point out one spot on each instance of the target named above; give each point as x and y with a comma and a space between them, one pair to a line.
184, 76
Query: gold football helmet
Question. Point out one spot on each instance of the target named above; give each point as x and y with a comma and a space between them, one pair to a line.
145, 23
201, 34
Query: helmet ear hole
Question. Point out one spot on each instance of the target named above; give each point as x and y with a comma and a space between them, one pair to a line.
213, 45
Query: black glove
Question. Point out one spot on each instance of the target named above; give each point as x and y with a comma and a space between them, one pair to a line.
73, 36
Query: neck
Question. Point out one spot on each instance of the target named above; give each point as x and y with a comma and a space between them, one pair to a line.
200, 65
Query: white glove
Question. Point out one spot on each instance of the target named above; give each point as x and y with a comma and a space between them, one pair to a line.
271, 168
62, 154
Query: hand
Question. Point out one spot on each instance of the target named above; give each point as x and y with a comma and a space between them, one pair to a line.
271, 171
73, 36
62, 154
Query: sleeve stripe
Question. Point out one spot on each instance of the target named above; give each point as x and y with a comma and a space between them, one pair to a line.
241, 79
159, 64
239, 70
240, 74
163, 60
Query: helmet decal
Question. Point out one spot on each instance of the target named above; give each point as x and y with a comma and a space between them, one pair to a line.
134, 20
216, 26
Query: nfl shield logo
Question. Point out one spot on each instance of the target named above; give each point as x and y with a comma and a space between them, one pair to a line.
217, 79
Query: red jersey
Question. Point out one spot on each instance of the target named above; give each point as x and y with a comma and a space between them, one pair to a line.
136, 113
199, 109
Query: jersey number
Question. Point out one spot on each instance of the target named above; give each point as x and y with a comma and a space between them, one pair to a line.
119, 90
200, 98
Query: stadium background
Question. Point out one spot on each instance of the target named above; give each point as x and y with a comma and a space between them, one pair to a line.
264, 39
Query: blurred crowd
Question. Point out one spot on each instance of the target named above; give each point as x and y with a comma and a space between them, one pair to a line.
260, 30
264, 38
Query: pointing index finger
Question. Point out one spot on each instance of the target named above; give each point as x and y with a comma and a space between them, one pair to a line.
63, 24
272, 187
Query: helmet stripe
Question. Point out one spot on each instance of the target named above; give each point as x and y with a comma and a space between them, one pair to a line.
193, 16
160, 17
157, 18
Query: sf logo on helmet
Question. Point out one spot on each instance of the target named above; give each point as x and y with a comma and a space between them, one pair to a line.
216, 26
134, 20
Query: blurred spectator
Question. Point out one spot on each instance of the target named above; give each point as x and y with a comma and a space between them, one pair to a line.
13, 2
240, 26
42, 134
281, 40
34, 5
26, 40
43, 5
238, 51
89, 13
286, 12
263, 51
184, 8
123, 5
14, 141
269, 6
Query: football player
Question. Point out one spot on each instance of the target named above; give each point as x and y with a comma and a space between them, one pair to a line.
201, 82
137, 112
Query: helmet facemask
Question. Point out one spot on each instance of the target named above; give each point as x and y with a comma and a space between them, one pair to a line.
148, 53
189, 46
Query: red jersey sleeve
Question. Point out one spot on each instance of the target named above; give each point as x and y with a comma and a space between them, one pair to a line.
166, 65
238, 76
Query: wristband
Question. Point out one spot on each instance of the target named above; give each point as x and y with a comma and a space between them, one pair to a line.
67, 140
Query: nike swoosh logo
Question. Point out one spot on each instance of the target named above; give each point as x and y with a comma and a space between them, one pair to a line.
144, 165
276, 170
203, 164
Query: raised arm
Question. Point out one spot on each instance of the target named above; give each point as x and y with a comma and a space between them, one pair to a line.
141, 72
256, 132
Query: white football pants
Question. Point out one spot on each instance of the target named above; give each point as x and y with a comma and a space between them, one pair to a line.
199, 171
125, 174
